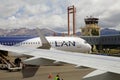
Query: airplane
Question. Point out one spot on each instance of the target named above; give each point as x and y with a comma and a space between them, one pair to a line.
72, 44
41, 56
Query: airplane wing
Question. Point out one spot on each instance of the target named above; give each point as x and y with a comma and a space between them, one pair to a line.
99, 62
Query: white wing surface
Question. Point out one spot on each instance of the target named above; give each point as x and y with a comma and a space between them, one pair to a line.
104, 63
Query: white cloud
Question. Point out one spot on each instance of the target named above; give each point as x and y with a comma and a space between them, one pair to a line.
35, 9
53, 13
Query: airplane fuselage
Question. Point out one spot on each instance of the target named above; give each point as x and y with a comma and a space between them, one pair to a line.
74, 44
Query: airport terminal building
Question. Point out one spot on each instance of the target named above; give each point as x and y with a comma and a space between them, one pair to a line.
91, 33
104, 42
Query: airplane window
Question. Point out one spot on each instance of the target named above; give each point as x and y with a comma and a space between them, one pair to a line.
23, 43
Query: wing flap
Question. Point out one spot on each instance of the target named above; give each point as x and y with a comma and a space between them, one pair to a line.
95, 73
38, 61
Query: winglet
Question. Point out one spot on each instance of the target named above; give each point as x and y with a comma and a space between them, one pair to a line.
45, 43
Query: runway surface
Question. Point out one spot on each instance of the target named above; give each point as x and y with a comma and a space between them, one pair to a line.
66, 72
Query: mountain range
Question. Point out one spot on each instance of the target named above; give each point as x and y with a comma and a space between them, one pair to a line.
108, 31
47, 32
26, 32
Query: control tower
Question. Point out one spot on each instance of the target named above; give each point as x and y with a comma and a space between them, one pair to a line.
91, 27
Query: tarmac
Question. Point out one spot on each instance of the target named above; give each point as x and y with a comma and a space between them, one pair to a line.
66, 72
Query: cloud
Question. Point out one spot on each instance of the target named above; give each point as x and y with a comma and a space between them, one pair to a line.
53, 13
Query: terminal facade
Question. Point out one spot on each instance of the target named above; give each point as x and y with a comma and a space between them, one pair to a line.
102, 43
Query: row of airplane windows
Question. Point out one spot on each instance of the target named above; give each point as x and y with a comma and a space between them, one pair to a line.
11, 43
20, 43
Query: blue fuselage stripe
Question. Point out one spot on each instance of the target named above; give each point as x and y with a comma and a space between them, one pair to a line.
10, 41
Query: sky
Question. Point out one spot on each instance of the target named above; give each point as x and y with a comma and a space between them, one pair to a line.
52, 14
